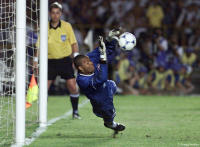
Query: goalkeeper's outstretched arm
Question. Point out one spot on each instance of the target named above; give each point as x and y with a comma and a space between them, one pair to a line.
101, 73
110, 51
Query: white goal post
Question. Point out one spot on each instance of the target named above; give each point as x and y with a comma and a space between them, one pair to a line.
21, 67
43, 62
20, 70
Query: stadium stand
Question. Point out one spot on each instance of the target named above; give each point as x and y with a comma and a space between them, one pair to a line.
169, 39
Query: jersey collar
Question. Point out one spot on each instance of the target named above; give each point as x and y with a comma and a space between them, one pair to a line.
86, 75
51, 27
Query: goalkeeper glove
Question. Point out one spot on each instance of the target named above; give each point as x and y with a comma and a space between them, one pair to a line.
113, 34
102, 49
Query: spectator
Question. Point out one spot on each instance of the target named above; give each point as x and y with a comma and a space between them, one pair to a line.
160, 79
126, 78
155, 14
164, 30
189, 59
184, 86
161, 43
141, 83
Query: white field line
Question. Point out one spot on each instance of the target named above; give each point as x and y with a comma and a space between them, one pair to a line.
41, 130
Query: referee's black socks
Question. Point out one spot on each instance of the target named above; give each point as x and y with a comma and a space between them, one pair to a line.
74, 100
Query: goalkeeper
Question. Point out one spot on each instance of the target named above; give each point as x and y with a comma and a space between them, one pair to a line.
93, 82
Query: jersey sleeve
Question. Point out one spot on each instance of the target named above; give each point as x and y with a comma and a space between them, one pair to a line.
72, 38
94, 56
110, 50
91, 83
100, 76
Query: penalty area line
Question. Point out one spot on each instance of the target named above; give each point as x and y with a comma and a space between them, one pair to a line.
41, 130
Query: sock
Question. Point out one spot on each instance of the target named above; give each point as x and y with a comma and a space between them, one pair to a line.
114, 124
74, 101
111, 124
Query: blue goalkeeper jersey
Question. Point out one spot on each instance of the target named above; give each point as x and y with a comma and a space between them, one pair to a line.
96, 86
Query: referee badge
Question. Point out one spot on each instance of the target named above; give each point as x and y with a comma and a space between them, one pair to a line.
63, 37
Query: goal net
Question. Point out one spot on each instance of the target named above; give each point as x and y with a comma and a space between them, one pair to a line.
7, 66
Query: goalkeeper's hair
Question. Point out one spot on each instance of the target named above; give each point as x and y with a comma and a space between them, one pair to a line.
78, 61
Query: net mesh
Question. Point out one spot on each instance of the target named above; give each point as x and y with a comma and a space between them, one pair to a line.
7, 70
32, 20
7, 67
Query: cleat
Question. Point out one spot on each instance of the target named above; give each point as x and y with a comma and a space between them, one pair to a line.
119, 127
116, 129
76, 116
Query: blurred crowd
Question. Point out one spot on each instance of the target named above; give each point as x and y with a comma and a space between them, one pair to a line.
168, 40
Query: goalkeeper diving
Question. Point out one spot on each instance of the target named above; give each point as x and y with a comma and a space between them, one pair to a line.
93, 80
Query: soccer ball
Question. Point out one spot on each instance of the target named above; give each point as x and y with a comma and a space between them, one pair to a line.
127, 41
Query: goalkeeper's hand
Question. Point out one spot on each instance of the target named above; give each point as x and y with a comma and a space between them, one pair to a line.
113, 34
102, 49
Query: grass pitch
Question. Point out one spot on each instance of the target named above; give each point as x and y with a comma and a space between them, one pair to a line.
151, 121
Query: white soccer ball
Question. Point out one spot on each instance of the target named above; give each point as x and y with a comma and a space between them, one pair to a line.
127, 41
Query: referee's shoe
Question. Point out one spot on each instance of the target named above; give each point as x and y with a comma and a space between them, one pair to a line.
75, 115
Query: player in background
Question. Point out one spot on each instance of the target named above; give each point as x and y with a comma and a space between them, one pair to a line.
62, 47
93, 80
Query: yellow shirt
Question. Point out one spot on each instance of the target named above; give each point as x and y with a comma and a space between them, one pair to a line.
159, 81
189, 60
142, 82
161, 77
60, 40
155, 15
123, 68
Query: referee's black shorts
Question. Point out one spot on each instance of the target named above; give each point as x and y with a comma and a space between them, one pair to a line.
62, 67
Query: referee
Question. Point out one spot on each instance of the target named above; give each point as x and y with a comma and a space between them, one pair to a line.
62, 47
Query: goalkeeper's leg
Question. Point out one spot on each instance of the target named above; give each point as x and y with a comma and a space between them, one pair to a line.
108, 117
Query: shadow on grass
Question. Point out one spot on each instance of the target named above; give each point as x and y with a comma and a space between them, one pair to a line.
186, 109
89, 140
76, 136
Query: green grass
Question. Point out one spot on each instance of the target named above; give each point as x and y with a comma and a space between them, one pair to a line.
7, 120
151, 121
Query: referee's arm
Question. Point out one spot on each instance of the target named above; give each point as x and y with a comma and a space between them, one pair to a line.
73, 42
75, 49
